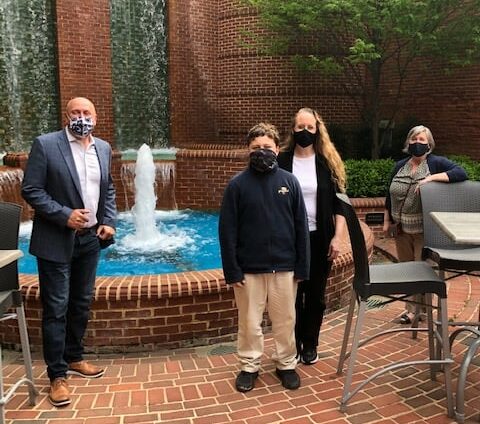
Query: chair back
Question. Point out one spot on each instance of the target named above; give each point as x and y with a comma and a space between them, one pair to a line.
447, 197
361, 279
10, 214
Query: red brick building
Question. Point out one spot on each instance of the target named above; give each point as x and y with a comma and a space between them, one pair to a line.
218, 89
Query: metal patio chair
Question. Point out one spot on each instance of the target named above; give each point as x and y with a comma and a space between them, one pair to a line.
456, 259
11, 303
393, 282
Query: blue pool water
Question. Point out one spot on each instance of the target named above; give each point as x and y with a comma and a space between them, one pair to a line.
188, 242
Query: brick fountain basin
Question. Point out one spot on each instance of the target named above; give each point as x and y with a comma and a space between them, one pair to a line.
165, 311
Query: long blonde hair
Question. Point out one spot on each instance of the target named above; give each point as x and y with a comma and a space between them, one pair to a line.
323, 146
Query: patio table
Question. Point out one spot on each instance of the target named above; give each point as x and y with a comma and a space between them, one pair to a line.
9, 256
462, 228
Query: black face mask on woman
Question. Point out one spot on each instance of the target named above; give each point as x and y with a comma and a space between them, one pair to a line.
418, 149
304, 138
263, 160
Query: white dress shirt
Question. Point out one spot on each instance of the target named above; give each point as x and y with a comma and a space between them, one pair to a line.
88, 170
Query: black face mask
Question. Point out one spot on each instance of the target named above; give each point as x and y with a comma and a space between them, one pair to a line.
263, 160
418, 149
304, 138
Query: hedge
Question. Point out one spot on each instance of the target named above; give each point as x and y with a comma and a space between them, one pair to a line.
370, 178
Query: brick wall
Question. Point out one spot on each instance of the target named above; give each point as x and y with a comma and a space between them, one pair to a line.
192, 70
448, 104
202, 175
84, 58
219, 89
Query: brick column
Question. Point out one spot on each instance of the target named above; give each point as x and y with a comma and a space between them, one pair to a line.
84, 58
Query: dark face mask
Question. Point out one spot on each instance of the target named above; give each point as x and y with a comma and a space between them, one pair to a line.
304, 138
263, 160
418, 149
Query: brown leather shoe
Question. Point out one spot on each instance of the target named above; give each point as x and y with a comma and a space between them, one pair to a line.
85, 369
59, 392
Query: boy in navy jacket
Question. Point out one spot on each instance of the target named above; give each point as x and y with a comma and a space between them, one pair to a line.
264, 241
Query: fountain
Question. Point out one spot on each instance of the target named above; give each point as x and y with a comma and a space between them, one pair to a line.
133, 310
150, 241
146, 236
146, 310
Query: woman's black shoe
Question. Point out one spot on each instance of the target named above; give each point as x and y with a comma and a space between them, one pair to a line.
246, 381
289, 378
309, 357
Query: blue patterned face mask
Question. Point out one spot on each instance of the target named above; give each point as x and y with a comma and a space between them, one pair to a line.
81, 126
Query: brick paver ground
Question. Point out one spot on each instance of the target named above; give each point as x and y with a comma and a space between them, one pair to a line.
196, 386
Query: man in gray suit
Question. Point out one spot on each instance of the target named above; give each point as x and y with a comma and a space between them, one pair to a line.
68, 183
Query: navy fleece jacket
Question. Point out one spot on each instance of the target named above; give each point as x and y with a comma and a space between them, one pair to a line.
263, 226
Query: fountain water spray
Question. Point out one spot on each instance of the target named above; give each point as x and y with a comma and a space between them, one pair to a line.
147, 236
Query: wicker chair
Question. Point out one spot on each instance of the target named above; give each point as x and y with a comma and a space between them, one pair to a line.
394, 282
456, 259
11, 300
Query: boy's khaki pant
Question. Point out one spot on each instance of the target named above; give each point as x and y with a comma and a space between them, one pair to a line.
276, 291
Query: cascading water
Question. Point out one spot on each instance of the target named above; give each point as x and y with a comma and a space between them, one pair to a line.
28, 86
139, 72
10, 183
164, 183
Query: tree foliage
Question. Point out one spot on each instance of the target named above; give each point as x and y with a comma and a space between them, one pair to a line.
363, 38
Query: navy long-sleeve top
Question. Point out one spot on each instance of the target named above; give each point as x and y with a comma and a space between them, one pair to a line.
436, 165
263, 226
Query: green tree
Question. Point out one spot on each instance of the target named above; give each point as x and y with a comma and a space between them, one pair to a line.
364, 39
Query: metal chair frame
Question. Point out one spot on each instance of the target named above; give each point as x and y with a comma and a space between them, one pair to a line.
11, 298
395, 282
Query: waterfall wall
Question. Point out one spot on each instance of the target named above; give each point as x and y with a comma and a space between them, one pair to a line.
139, 72
28, 73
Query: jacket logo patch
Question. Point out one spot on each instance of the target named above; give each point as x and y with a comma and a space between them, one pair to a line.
283, 190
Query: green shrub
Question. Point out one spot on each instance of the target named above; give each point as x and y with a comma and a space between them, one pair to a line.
471, 167
370, 178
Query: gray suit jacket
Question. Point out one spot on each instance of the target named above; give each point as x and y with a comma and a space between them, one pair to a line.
52, 187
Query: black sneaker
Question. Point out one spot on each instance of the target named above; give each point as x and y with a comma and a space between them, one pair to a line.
289, 378
310, 356
246, 381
